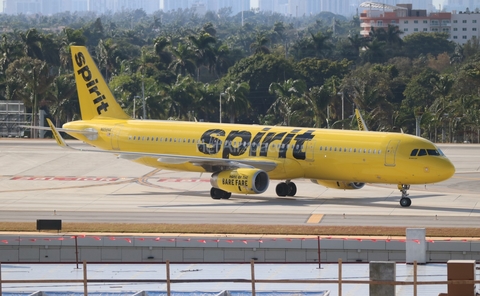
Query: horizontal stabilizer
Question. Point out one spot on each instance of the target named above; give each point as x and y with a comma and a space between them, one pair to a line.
65, 130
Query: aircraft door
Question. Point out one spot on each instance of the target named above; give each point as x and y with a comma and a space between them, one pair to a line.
309, 150
115, 136
391, 152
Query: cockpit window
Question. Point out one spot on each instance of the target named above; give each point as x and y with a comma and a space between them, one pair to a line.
422, 152
414, 152
433, 152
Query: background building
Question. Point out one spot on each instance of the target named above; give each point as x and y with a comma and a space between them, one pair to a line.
461, 26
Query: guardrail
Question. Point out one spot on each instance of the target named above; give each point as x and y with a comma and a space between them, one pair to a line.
253, 280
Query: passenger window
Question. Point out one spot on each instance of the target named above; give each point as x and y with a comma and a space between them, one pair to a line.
379, 151
374, 151
335, 149
422, 152
414, 152
320, 148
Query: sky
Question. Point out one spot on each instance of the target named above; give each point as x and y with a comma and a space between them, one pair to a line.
437, 2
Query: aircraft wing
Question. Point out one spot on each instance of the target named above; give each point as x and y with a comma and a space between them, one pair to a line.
209, 164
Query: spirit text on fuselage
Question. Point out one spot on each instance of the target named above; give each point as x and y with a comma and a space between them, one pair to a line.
255, 145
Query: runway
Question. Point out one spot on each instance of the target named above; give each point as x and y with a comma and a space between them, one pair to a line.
39, 180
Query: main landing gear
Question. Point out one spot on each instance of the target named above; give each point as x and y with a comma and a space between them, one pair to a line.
216, 193
405, 201
286, 189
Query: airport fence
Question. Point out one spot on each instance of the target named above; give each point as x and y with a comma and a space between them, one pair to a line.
253, 280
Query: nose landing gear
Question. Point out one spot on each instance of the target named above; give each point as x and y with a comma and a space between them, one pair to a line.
405, 201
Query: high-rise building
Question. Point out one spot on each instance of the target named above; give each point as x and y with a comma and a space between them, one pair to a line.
169, 5
461, 5
335, 6
22, 6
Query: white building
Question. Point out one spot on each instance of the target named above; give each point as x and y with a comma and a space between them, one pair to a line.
465, 26
461, 26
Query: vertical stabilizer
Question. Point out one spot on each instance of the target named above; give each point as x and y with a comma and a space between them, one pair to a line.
95, 98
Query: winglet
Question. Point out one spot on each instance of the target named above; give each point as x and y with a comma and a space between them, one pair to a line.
57, 136
361, 123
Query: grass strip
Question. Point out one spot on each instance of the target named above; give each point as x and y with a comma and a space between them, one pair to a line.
247, 229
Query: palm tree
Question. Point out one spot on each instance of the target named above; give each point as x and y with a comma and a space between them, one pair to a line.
35, 77
318, 100
287, 94
64, 106
442, 105
357, 42
236, 102
374, 52
180, 96
321, 43
32, 44
260, 44
204, 52
159, 46
184, 62
106, 56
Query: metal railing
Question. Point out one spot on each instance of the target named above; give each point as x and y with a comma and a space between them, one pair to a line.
253, 280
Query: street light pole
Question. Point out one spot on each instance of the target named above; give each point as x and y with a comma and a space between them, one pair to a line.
143, 100
343, 107
220, 112
134, 105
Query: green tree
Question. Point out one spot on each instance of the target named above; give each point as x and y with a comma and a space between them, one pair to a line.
236, 102
422, 43
287, 93
35, 77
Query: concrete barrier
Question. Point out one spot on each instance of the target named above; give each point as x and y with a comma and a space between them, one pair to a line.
182, 248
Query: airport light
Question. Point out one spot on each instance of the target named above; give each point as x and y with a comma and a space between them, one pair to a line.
220, 102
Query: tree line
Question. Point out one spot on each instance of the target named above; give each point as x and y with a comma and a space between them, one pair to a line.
310, 71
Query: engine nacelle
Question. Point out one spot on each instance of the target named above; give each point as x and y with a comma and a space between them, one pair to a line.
339, 184
246, 181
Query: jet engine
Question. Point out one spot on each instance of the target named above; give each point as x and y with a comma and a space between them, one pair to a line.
339, 184
243, 180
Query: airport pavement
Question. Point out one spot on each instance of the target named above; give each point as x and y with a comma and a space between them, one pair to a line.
39, 180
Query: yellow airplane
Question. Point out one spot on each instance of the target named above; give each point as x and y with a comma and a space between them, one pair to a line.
244, 158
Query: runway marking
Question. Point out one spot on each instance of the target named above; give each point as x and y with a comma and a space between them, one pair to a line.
190, 180
315, 218
58, 178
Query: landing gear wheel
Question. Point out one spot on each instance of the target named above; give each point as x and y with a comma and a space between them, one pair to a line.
292, 189
216, 193
405, 202
282, 189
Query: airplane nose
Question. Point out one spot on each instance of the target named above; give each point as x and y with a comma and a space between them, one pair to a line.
450, 169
